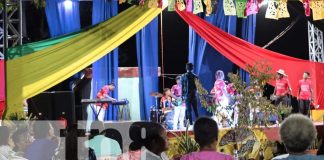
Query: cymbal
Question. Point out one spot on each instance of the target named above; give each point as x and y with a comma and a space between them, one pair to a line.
156, 94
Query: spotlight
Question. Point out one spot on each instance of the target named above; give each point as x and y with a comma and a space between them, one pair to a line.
68, 4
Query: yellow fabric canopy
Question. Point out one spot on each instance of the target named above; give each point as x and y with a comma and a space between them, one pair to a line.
32, 74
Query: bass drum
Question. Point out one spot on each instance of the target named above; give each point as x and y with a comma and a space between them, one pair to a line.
169, 120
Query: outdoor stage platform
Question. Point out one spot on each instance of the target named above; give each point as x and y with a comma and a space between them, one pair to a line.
271, 132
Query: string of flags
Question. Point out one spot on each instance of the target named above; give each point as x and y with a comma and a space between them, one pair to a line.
276, 9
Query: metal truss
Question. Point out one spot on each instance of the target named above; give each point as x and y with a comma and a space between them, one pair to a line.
315, 40
10, 25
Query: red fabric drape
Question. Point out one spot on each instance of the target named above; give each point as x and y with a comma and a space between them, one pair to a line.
2, 88
243, 53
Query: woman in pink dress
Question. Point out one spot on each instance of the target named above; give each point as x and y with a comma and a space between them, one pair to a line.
219, 90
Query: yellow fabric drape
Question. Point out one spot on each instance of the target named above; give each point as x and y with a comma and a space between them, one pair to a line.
30, 75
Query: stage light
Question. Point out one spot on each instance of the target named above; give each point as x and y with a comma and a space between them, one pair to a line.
263, 3
68, 4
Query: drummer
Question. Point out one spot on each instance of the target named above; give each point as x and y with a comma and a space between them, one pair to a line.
166, 100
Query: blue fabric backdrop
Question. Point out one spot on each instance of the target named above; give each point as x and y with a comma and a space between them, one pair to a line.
248, 34
105, 70
206, 59
62, 16
147, 58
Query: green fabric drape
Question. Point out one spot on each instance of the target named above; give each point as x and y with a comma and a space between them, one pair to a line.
34, 73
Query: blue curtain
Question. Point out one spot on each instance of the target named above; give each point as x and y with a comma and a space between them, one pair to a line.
105, 70
147, 58
62, 16
207, 60
248, 34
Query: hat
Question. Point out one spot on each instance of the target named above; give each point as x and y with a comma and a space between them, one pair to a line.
282, 72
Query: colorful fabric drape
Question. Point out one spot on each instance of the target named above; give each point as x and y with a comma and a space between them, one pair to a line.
34, 73
180, 5
105, 70
62, 16
252, 7
22, 50
272, 10
147, 60
243, 53
171, 6
189, 5
205, 58
2, 88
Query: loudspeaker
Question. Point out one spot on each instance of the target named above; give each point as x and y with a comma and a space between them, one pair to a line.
41, 106
64, 102
52, 105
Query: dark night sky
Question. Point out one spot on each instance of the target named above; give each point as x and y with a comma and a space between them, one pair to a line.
175, 34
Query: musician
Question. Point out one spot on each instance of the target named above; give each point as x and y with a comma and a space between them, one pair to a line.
165, 102
220, 89
282, 88
305, 94
104, 94
180, 108
189, 90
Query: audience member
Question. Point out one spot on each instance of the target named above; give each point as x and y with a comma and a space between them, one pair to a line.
151, 146
22, 139
74, 147
43, 147
297, 133
206, 135
6, 152
102, 145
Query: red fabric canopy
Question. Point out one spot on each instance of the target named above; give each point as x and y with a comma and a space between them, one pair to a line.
2, 88
243, 53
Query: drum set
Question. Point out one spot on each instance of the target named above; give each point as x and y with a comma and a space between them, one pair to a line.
164, 116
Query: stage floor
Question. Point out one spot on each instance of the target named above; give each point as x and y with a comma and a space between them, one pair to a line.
271, 132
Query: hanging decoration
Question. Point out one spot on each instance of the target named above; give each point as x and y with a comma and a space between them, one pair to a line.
189, 5
252, 7
306, 4
317, 7
214, 4
272, 10
171, 6
180, 5
209, 8
152, 3
240, 8
198, 7
229, 8
282, 9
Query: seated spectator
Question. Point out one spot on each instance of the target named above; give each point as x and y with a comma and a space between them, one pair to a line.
152, 147
297, 133
206, 135
43, 147
102, 145
22, 139
6, 152
73, 148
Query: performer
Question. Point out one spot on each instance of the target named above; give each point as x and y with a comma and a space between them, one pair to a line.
305, 94
165, 102
282, 88
104, 94
180, 108
220, 89
189, 90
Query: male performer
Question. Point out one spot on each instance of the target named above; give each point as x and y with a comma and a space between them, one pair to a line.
180, 108
189, 90
104, 94
305, 94
282, 88
165, 102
